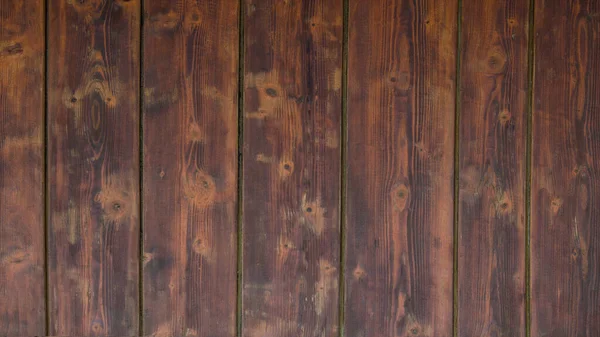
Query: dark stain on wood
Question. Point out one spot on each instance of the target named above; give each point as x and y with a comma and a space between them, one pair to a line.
93, 122
22, 307
291, 174
399, 227
565, 236
492, 141
190, 167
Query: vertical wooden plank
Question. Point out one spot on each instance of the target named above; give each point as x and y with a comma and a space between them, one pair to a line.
93, 122
190, 167
401, 112
565, 186
291, 168
492, 141
22, 308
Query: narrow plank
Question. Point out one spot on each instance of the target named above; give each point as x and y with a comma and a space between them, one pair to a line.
492, 144
565, 186
93, 122
22, 305
291, 169
399, 223
190, 167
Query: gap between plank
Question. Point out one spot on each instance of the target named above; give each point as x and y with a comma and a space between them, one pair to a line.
141, 175
456, 166
343, 159
528, 163
45, 183
240, 173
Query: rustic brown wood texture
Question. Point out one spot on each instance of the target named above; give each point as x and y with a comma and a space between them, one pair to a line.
93, 199
291, 169
492, 145
401, 112
190, 167
22, 307
300, 168
565, 186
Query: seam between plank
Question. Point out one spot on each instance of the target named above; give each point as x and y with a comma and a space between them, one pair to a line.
141, 173
240, 173
45, 183
456, 166
343, 173
528, 163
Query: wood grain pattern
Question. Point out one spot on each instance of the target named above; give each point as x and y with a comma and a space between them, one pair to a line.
565, 187
190, 167
22, 308
492, 141
401, 105
398, 266
93, 150
291, 174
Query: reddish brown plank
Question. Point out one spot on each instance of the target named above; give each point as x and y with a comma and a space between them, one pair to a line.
291, 174
93, 122
565, 186
22, 304
399, 223
492, 141
190, 167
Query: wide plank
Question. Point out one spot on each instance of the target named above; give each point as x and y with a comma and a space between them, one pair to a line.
565, 185
291, 168
22, 304
190, 126
400, 151
93, 166
492, 168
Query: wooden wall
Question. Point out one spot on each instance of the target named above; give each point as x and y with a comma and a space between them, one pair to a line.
300, 168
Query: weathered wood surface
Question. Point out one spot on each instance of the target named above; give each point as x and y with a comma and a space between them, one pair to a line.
492, 146
399, 168
93, 150
190, 120
565, 187
401, 111
22, 307
291, 169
